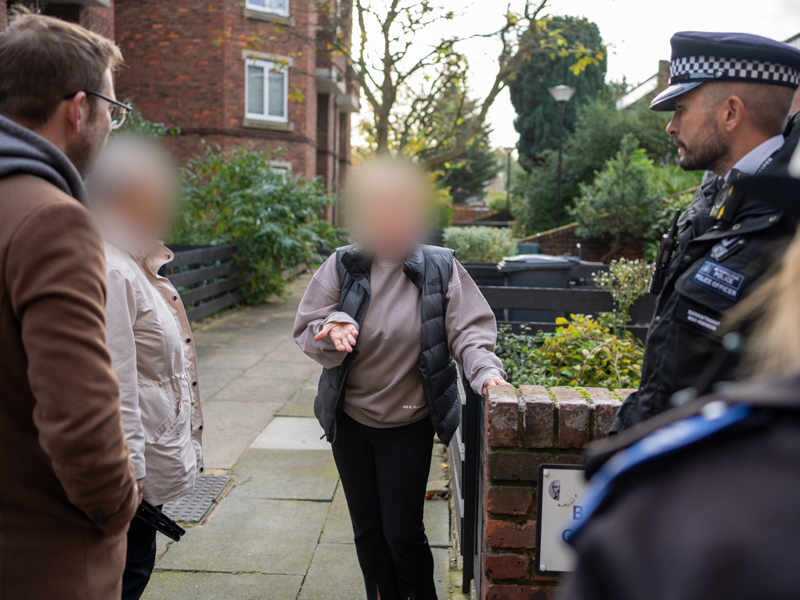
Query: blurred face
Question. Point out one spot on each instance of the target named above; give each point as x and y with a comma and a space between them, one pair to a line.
84, 147
389, 209
149, 204
695, 129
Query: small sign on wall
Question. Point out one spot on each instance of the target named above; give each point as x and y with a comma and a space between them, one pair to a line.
558, 511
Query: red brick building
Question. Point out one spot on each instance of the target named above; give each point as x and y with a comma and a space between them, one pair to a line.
231, 72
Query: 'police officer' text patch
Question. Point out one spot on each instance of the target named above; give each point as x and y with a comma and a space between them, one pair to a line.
724, 281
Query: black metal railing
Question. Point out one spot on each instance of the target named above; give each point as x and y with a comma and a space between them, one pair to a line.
466, 472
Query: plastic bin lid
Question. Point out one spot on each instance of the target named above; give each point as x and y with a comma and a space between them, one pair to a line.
535, 262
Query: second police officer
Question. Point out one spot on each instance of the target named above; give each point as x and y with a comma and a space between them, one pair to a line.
731, 94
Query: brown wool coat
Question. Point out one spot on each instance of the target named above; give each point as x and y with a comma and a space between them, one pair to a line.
66, 484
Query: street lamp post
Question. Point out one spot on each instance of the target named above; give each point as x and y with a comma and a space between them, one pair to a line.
561, 94
508, 182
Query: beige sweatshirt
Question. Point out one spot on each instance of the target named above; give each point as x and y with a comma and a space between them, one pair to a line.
384, 388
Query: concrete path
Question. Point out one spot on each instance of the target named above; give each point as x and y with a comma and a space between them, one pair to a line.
283, 531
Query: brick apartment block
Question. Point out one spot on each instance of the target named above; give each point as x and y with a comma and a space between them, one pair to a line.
231, 72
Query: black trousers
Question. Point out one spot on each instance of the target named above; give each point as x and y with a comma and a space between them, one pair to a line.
140, 559
384, 475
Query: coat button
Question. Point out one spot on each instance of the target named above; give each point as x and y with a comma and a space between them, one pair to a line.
736, 227
194, 383
657, 320
687, 258
200, 428
166, 256
188, 340
174, 298
202, 469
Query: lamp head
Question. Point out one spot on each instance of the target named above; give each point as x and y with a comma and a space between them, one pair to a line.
561, 93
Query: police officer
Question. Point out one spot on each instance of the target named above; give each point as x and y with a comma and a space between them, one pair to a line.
701, 502
731, 94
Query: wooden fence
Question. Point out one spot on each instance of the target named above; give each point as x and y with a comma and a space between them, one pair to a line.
587, 301
204, 277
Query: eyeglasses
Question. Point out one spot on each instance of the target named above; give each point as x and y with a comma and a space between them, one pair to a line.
119, 111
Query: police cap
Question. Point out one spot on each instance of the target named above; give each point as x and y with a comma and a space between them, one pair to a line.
699, 57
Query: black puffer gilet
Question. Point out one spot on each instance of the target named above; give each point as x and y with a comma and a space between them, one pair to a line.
429, 268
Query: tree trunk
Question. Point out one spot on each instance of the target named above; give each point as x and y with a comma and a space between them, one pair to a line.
616, 246
381, 138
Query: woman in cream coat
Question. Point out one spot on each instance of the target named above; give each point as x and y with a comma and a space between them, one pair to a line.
133, 189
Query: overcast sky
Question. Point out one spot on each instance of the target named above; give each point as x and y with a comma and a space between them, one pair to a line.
636, 31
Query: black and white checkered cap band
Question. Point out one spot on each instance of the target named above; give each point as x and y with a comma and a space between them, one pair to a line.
690, 68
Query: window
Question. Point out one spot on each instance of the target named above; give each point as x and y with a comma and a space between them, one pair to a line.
282, 167
279, 7
266, 91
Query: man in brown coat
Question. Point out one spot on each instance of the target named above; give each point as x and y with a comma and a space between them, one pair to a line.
67, 491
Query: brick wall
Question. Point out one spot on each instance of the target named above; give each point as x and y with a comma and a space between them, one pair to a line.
525, 429
564, 240
100, 20
185, 68
97, 19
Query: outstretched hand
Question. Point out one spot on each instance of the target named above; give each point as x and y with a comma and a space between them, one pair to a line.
492, 381
343, 335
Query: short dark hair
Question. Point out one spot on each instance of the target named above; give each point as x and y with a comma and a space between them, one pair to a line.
42, 59
767, 105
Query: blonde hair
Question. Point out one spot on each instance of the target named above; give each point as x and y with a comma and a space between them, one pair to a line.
773, 349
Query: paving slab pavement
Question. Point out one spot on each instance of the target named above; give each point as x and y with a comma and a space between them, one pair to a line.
300, 405
286, 475
283, 530
251, 535
173, 585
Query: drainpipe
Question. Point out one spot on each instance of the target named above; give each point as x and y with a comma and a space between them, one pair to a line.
336, 158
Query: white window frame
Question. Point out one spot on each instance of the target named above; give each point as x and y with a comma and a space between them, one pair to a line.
282, 167
263, 9
267, 66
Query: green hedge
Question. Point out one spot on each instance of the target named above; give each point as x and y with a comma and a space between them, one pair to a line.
273, 218
583, 352
480, 244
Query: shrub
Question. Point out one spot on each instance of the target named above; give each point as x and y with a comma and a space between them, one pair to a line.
627, 280
442, 208
662, 220
497, 201
272, 218
480, 244
136, 123
582, 352
622, 200
597, 135
672, 179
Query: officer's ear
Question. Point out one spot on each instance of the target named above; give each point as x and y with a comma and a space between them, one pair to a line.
733, 113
